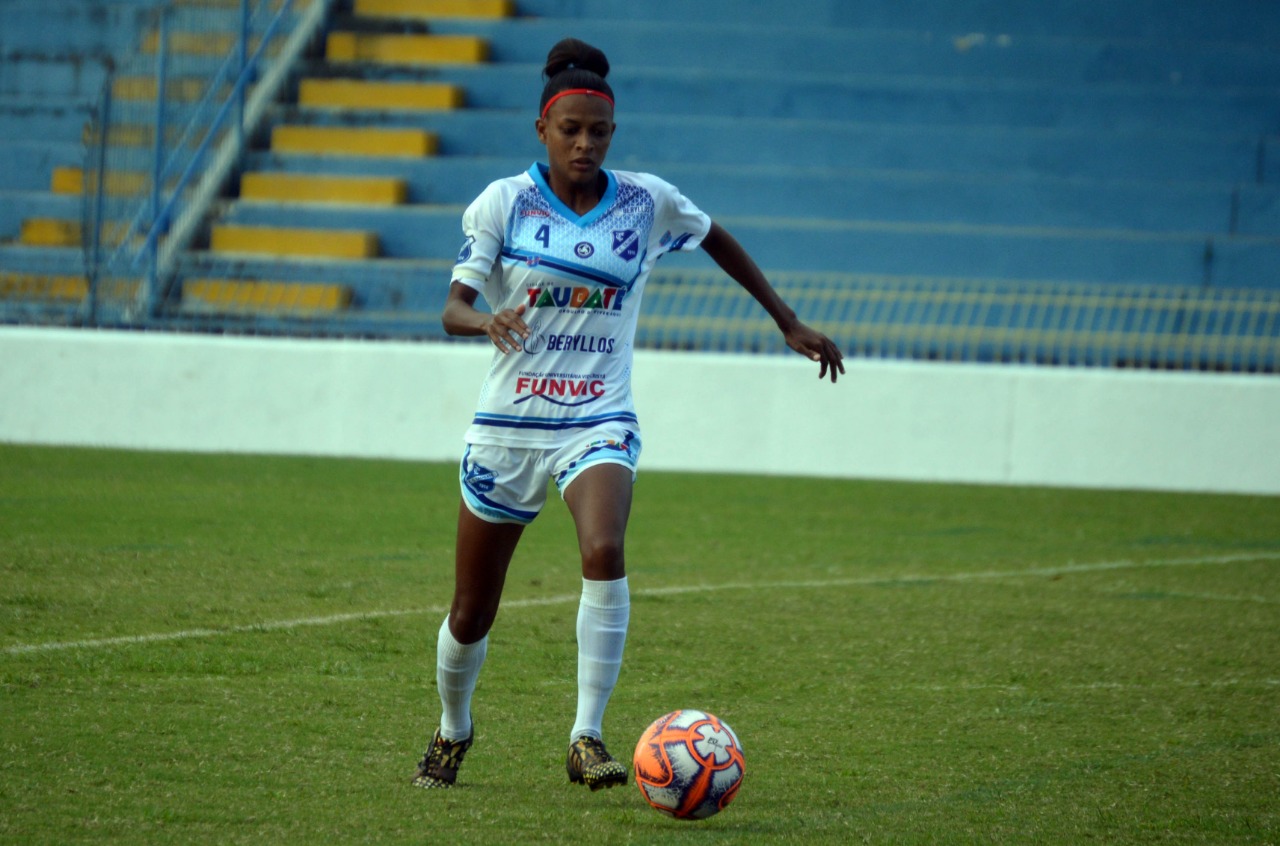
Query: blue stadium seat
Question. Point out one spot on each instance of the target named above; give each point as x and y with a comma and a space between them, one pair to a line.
1106, 142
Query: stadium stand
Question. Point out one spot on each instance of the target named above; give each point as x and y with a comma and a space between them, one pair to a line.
1061, 182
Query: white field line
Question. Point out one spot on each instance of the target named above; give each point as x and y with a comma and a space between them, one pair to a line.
333, 619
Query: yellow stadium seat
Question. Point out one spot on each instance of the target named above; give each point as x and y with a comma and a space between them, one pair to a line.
70, 180
434, 8
36, 286
406, 49
227, 294
273, 240
352, 141
50, 232
144, 88
316, 188
363, 94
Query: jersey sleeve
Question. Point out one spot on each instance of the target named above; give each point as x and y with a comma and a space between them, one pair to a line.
483, 230
679, 224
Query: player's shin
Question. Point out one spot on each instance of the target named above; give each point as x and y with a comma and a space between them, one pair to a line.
457, 669
603, 615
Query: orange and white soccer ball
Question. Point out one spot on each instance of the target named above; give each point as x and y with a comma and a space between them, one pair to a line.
688, 764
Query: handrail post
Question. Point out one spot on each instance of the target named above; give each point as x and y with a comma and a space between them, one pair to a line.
244, 62
157, 164
93, 270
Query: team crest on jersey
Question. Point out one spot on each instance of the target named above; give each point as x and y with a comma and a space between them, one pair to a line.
626, 243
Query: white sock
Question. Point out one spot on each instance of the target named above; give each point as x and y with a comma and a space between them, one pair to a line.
603, 614
457, 668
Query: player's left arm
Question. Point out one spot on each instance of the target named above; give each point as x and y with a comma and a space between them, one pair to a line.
725, 250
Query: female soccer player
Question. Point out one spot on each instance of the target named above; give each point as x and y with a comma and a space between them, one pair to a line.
561, 254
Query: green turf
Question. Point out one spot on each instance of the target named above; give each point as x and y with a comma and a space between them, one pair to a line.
904, 663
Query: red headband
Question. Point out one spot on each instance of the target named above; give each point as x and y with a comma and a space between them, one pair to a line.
590, 91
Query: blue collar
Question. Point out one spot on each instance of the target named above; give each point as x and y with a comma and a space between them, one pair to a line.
538, 172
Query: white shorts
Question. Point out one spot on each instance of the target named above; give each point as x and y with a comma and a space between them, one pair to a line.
509, 484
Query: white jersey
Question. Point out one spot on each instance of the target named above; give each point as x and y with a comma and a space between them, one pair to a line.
582, 277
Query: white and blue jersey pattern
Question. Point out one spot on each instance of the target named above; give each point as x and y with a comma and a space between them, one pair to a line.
581, 278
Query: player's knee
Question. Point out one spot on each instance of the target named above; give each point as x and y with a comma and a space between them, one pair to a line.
602, 558
467, 624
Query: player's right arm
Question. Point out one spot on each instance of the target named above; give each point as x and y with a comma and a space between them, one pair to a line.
506, 329
484, 225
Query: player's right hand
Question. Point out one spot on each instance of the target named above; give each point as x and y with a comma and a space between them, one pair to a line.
508, 330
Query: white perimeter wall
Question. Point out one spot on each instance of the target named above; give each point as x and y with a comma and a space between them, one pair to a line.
889, 420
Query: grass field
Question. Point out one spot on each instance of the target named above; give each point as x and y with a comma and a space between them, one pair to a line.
209, 649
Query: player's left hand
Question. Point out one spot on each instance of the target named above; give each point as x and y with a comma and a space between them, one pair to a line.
817, 347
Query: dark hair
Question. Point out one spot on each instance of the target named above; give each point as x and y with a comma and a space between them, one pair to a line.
574, 64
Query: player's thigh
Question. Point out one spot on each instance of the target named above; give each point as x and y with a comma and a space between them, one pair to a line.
596, 478
481, 558
600, 501
503, 490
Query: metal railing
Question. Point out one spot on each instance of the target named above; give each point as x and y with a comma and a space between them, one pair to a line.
171, 125
1163, 327
1090, 325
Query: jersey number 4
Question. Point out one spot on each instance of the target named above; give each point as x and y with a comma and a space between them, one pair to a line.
544, 235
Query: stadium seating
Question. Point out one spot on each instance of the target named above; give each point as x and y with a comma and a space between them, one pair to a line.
1063, 143
917, 141
51, 76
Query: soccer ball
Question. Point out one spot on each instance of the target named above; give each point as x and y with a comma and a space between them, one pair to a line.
688, 764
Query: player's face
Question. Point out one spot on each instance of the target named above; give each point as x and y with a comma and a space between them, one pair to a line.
577, 131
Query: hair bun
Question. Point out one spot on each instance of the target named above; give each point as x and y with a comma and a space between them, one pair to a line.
571, 53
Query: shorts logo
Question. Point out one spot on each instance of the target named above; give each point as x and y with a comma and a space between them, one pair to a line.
584, 249
480, 479
465, 252
609, 445
626, 243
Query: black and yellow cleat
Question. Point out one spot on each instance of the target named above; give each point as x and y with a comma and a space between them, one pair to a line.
591, 764
439, 766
